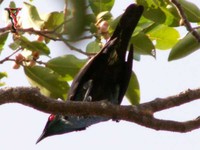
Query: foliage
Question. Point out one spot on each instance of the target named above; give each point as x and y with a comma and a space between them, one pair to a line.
157, 30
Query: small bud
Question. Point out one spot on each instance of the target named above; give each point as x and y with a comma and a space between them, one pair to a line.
103, 26
19, 58
32, 63
35, 55
40, 38
16, 66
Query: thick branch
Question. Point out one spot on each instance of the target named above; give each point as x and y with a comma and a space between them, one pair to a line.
141, 114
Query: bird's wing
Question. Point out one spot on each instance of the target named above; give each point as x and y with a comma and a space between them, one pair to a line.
117, 45
127, 71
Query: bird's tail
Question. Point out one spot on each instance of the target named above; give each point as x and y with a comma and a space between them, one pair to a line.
125, 28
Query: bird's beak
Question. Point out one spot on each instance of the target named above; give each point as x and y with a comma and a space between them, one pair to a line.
42, 136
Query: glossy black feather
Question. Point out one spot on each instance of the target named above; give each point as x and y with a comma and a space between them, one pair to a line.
108, 68
104, 77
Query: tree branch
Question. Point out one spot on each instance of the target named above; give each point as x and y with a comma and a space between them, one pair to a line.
52, 35
185, 20
141, 114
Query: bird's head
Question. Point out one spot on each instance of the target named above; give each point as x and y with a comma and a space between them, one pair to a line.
54, 126
58, 124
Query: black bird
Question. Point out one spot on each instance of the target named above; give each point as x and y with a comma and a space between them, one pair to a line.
104, 77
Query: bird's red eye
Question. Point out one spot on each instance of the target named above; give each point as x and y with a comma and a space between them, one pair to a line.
51, 117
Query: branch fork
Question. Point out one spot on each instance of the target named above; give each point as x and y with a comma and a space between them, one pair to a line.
142, 114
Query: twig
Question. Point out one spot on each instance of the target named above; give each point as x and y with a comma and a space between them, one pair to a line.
8, 57
65, 12
40, 62
5, 29
76, 49
47, 35
44, 33
39, 32
185, 20
85, 37
141, 114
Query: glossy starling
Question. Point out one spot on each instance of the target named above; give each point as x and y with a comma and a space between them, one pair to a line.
104, 77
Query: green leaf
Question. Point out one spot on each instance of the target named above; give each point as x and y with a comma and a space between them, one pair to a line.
3, 38
93, 47
67, 66
52, 20
142, 25
2, 75
114, 23
12, 4
75, 27
34, 19
137, 57
41, 47
184, 47
105, 15
133, 91
172, 17
165, 37
152, 10
99, 6
90, 19
191, 10
50, 83
160, 12
142, 44
34, 45
14, 45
